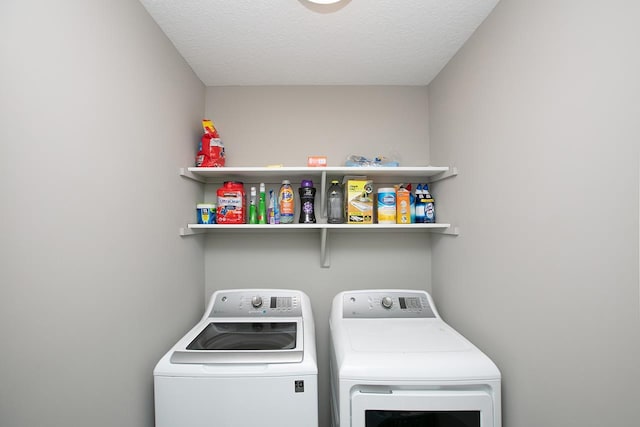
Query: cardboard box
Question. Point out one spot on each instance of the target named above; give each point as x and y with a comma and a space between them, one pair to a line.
359, 201
317, 161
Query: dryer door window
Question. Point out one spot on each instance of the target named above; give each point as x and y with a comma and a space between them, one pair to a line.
379, 418
423, 408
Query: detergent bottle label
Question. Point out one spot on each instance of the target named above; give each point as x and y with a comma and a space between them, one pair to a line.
286, 202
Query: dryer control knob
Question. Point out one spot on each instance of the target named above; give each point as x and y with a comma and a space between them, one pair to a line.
387, 302
256, 301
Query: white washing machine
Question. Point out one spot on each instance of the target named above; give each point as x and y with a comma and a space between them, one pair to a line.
395, 362
251, 360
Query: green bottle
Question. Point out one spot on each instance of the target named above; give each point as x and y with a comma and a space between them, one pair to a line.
253, 214
262, 205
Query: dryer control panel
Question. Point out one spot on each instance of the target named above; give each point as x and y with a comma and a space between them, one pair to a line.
256, 303
386, 304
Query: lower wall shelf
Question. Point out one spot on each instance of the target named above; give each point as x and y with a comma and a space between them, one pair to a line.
280, 227
323, 228
323, 176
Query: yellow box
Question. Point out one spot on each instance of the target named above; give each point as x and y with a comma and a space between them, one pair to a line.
403, 206
359, 201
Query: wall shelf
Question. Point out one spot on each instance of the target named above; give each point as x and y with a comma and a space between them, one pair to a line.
323, 175
393, 174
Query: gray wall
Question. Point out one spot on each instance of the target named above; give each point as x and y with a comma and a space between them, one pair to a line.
539, 111
97, 113
264, 125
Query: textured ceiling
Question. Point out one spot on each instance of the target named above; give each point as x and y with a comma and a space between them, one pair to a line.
294, 42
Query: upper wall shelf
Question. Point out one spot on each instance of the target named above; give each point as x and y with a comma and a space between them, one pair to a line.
391, 174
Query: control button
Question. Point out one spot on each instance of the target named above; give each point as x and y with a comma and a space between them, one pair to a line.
387, 302
256, 301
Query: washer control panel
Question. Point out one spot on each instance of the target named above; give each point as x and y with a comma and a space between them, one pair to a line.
256, 303
386, 304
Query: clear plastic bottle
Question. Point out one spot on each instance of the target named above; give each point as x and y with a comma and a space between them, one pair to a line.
286, 201
335, 203
307, 201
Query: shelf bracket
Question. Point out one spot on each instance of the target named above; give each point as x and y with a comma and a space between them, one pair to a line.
324, 250
190, 232
453, 171
451, 231
184, 172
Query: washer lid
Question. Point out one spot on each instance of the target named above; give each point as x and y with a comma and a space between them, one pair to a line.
229, 336
242, 341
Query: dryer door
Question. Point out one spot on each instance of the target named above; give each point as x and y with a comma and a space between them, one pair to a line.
422, 408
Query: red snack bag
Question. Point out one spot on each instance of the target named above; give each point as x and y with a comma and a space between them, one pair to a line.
211, 148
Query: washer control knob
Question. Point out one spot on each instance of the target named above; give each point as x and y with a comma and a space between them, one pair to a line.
256, 301
387, 302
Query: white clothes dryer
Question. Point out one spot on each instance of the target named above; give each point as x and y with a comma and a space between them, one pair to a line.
251, 360
395, 362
